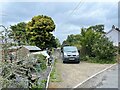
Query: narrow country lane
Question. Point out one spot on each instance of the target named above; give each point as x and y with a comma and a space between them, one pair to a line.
110, 78
74, 73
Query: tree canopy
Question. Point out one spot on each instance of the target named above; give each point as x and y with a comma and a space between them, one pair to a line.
98, 28
17, 32
93, 43
39, 31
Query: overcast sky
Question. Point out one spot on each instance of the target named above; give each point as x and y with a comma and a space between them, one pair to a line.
69, 17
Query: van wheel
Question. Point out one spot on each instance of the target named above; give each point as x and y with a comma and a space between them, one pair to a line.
63, 61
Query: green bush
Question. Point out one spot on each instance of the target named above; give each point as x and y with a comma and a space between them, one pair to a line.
101, 61
40, 86
84, 58
41, 59
93, 44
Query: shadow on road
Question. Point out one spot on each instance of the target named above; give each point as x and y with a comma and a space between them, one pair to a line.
71, 63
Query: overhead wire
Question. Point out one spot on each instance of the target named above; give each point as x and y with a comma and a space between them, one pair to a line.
72, 12
80, 3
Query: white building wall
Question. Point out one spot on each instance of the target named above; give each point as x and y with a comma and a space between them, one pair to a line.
113, 36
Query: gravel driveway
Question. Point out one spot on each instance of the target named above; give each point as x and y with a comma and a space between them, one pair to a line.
73, 74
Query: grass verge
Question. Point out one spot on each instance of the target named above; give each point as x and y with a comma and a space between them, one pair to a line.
55, 75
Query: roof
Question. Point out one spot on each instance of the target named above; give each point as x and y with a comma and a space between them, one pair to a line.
117, 29
43, 53
32, 47
27, 47
14, 47
113, 28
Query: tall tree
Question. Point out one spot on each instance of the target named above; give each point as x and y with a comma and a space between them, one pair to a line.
73, 40
57, 42
39, 31
97, 28
18, 32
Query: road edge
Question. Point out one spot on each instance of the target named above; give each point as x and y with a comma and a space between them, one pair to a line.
48, 78
94, 75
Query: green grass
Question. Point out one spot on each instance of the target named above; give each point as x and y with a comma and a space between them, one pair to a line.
55, 75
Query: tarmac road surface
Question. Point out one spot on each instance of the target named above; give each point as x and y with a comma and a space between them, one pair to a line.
110, 78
